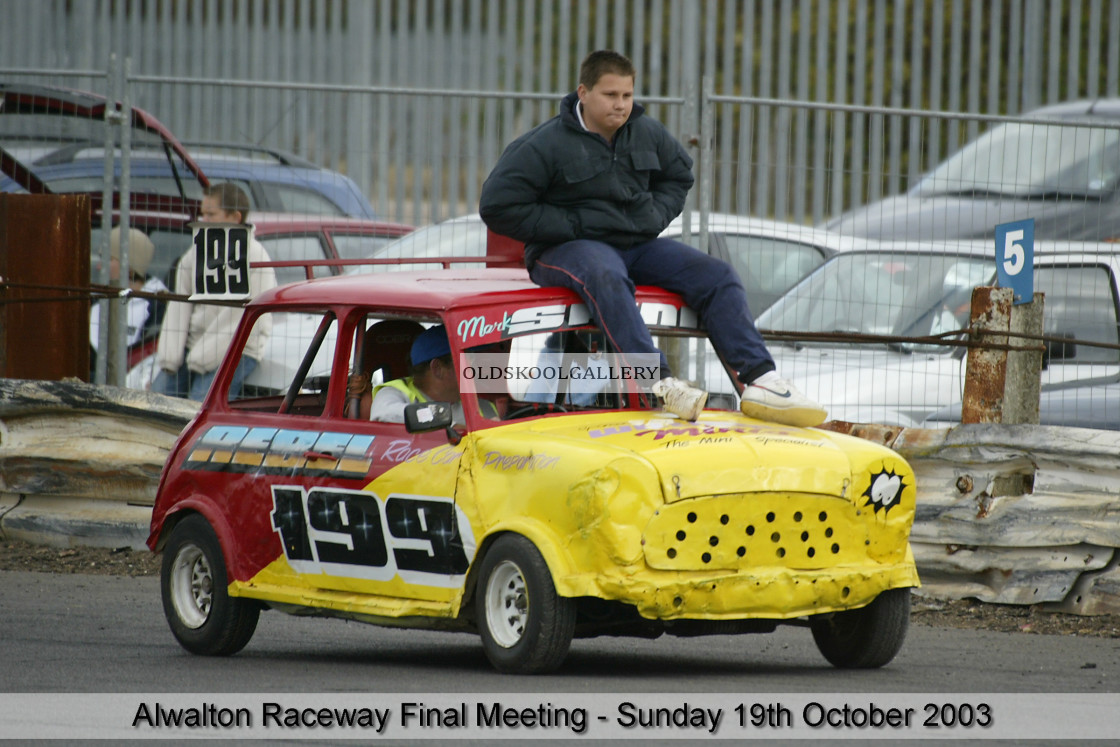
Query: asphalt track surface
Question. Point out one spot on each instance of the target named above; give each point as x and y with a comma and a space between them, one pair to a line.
93, 634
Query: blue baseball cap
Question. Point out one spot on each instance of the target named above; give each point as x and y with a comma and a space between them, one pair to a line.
432, 343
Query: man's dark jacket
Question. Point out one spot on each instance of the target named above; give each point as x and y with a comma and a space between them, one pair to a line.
559, 182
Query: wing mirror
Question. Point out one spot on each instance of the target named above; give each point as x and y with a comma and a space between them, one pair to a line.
421, 417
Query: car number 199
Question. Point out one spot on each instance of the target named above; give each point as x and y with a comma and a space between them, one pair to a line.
349, 533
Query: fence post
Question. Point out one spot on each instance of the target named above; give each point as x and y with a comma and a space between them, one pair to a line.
112, 119
691, 141
1002, 386
44, 282
1024, 368
116, 371
707, 155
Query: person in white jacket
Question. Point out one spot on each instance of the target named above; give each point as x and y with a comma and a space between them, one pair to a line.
195, 336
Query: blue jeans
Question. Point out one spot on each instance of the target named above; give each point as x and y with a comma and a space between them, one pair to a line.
185, 382
604, 277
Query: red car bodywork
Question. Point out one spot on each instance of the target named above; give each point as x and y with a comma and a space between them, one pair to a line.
455, 297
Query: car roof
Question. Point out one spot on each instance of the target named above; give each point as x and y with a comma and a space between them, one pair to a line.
226, 151
1103, 108
987, 247
271, 223
727, 223
766, 227
432, 290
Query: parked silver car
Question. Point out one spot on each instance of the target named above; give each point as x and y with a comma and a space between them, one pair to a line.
922, 290
770, 256
1065, 175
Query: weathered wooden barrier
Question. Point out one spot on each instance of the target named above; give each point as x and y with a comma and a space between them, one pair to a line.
79, 464
1014, 514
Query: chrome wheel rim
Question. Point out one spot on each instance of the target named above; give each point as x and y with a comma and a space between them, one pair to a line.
192, 586
507, 604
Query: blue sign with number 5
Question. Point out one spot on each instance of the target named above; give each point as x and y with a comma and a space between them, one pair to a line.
1015, 258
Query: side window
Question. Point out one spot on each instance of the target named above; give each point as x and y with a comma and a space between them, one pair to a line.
299, 200
295, 248
357, 246
380, 354
1079, 305
769, 267
293, 372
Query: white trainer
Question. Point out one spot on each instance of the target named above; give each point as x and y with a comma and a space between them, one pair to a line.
679, 398
779, 401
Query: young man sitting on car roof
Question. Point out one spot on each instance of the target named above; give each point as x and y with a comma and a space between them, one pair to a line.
588, 192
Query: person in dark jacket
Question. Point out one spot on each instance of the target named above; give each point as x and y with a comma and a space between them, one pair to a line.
589, 191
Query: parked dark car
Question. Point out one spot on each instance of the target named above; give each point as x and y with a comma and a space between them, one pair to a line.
52, 140
274, 181
1064, 175
38, 123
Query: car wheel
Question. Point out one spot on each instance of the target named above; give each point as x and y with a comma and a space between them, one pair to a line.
865, 638
203, 617
526, 627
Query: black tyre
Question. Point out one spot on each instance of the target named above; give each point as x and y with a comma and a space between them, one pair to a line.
526, 627
866, 638
193, 581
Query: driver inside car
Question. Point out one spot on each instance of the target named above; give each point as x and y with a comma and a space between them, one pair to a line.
432, 378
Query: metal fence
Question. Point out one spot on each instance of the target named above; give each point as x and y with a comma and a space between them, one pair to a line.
414, 100
798, 111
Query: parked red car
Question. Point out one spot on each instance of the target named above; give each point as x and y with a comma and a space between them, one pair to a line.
301, 246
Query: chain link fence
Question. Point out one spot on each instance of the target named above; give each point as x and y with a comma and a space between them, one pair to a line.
812, 113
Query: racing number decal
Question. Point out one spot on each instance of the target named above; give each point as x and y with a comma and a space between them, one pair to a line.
221, 266
347, 528
425, 535
350, 533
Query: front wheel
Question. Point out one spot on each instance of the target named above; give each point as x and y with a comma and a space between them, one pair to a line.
526, 627
866, 638
203, 617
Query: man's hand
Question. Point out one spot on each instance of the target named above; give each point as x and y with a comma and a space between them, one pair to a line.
357, 385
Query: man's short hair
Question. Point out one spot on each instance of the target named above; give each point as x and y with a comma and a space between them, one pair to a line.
603, 61
231, 198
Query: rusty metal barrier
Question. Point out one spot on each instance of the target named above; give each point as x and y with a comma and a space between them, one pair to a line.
44, 240
1012, 514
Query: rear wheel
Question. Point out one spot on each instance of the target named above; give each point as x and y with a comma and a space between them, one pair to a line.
866, 638
203, 617
525, 626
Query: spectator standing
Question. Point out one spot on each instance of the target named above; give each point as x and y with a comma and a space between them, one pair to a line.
139, 310
195, 336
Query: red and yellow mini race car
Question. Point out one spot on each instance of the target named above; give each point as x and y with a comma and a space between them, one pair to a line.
548, 511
